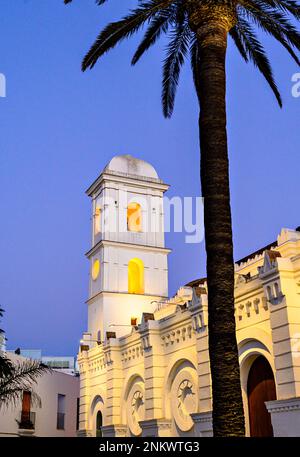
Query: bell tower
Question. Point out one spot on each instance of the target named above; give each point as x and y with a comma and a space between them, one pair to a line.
128, 258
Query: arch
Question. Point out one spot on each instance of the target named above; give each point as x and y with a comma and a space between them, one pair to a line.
99, 423
97, 220
134, 217
254, 334
136, 276
277, 290
260, 388
96, 405
269, 293
97, 401
251, 344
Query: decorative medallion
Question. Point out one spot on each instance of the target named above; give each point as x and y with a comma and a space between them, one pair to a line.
184, 398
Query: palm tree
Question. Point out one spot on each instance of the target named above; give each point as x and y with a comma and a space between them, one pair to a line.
5, 363
198, 30
18, 377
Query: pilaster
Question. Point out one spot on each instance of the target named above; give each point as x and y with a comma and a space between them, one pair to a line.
284, 303
199, 315
156, 428
85, 398
285, 416
203, 424
114, 381
154, 369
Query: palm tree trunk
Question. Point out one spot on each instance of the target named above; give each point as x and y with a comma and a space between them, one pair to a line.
228, 414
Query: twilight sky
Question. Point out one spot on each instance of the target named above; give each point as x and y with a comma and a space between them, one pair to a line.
58, 129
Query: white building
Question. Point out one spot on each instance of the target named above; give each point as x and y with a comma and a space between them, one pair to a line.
65, 364
153, 378
58, 414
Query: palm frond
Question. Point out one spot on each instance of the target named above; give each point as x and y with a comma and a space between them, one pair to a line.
274, 17
238, 42
1, 315
116, 32
21, 377
287, 6
256, 54
176, 52
195, 61
158, 25
275, 23
5, 365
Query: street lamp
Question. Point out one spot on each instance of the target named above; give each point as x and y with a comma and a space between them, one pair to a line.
90, 341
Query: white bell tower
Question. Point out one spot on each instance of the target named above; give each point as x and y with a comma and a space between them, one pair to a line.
128, 258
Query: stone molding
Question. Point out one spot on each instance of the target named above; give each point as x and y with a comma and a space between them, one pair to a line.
114, 430
280, 406
84, 433
202, 418
203, 424
156, 427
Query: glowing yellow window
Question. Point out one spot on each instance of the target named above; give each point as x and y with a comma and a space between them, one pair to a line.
97, 221
134, 217
135, 276
95, 269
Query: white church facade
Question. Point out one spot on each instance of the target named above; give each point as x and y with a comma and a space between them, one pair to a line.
144, 362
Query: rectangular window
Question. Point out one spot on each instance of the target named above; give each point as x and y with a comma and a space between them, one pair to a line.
26, 402
77, 413
27, 418
61, 405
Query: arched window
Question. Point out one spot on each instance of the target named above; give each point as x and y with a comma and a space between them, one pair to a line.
99, 424
277, 291
269, 293
97, 220
135, 276
134, 217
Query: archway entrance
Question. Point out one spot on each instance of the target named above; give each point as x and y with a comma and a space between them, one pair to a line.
99, 424
260, 388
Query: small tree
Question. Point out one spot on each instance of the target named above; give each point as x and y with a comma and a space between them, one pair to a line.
17, 377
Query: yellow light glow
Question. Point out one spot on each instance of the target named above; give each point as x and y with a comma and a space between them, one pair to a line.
133, 321
97, 220
95, 269
135, 276
134, 217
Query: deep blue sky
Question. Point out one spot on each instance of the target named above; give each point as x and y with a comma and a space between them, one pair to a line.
59, 127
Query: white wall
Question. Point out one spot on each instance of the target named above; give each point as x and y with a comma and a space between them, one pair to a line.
48, 388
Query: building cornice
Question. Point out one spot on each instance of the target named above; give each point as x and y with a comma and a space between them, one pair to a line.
142, 247
280, 406
136, 180
110, 292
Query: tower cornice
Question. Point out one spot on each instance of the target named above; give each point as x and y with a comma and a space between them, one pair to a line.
126, 178
142, 247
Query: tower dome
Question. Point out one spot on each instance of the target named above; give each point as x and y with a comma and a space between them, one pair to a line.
127, 164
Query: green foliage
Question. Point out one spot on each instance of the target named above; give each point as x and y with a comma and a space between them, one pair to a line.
15, 378
21, 377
